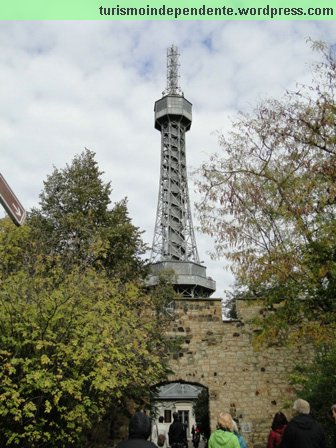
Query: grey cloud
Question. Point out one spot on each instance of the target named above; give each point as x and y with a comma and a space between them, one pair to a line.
69, 85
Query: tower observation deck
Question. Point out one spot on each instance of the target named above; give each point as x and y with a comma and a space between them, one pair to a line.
174, 245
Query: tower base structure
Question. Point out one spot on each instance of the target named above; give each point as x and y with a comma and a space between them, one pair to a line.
188, 278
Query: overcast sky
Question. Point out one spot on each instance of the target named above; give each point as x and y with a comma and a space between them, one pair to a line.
65, 86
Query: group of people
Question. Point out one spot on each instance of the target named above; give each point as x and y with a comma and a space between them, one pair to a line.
196, 435
302, 431
226, 434
141, 429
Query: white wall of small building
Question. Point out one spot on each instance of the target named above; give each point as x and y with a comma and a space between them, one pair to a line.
175, 406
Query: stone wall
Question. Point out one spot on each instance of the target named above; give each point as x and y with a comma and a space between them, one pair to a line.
250, 384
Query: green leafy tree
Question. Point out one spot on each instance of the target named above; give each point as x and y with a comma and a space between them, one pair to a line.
201, 411
79, 334
74, 221
318, 386
269, 201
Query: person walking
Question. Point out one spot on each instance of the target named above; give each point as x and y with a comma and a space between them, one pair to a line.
176, 433
303, 431
278, 427
241, 440
224, 437
139, 430
196, 436
160, 433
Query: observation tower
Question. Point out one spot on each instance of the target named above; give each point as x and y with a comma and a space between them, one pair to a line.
174, 244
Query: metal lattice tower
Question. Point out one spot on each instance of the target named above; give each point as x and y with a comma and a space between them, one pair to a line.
174, 237
174, 243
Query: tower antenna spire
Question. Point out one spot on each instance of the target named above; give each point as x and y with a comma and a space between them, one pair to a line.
173, 65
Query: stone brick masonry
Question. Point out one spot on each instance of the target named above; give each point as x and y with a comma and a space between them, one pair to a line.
251, 384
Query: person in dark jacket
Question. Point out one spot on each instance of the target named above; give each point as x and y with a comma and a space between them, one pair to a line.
303, 431
138, 432
196, 436
176, 434
279, 425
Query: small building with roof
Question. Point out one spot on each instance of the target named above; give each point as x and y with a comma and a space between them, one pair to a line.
177, 397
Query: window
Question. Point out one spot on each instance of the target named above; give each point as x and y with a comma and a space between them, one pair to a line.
167, 416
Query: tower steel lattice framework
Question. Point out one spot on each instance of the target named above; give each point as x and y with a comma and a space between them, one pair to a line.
174, 244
